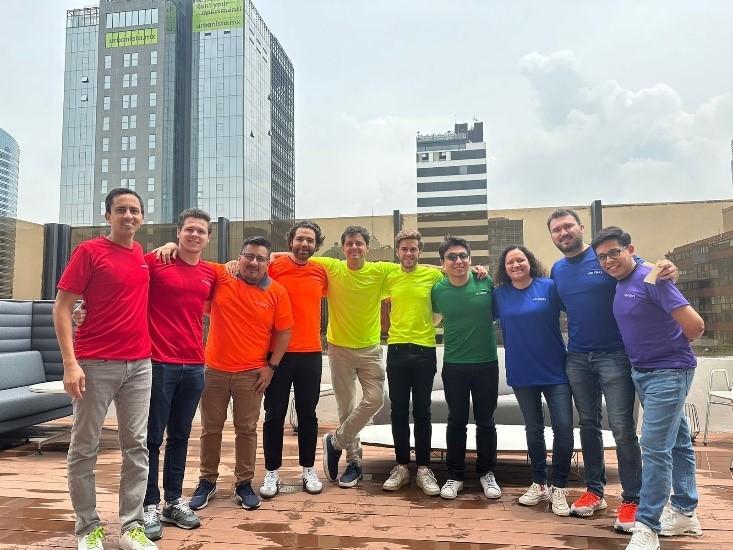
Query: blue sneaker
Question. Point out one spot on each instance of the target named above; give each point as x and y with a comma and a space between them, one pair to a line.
246, 496
351, 476
331, 457
201, 495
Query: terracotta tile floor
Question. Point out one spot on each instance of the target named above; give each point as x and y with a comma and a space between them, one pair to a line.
35, 511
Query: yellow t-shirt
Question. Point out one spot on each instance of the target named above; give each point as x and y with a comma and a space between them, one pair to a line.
411, 318
354, 298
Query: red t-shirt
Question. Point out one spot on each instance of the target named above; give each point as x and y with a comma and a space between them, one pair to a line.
113, 281
306, 285
176, 300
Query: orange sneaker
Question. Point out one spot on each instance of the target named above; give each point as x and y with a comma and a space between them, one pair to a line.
625, 516
588, 503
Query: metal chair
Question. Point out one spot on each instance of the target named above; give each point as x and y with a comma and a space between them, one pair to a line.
717, 397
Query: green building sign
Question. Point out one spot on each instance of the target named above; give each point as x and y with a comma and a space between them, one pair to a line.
214, 15
138, 37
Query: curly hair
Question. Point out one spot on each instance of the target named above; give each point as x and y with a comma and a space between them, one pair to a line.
536, 269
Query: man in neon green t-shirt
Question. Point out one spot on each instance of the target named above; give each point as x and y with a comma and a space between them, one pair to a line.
354, 350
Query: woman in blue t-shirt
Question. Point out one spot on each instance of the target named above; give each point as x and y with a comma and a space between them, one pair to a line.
528, 307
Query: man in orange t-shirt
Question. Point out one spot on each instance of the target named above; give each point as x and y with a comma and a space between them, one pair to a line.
251, 322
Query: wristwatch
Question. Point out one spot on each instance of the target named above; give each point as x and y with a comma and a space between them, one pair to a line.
273, 366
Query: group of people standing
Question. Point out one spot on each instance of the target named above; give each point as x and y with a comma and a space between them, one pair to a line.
140, 344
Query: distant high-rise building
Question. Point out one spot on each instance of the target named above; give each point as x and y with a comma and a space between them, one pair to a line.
188, 102
451, 190
9, 166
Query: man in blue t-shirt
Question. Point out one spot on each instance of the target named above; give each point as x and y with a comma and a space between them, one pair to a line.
597, 366
656, 323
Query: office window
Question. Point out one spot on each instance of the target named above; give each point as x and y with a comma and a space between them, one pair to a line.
133, 122
126, 80
106, 103
133, 143
154, 57
151, 162
103, 186
125, 143
151, 206
135, 17
108, 59
123, 182
105, 123
155, 16
126, 60
131, 183
115, 20
123, 164
153, 78
133, 80
125, 101
151, 141
153, 99
109, 23
125, 120
151, 184
131, 164
133, 101
133, 60
105, 144
102, 208
107, 82
151, 120
105, 166
128, 18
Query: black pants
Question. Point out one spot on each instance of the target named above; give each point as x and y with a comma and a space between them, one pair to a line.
411, 369
480, 382
302, 372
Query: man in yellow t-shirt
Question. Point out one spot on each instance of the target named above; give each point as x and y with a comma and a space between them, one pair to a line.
411, 361
354, 351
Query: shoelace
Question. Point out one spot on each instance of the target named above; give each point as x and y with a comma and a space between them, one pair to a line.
427, 473
270, 478
535, 488
310, 476
95, 537
642, 536
183, 507
588, 498
149, 515
395, 473
490, 479
451, 484
626, 508
138, 535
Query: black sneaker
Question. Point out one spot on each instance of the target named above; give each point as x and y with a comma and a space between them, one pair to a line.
246, 496
351, 476
180, 514
331, 457
201, 495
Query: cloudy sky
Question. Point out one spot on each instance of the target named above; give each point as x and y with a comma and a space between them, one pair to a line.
622, 101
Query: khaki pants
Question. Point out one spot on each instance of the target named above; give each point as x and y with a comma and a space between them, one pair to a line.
127, 383
219, 387
348, 365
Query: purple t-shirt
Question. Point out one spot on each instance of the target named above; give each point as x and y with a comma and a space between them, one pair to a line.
652, 338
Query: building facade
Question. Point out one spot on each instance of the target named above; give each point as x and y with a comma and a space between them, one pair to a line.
451, 190
9, 169
174, 99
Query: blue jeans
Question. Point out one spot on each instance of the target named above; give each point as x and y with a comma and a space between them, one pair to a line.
669, 460
560, 403
174, 397
592, 375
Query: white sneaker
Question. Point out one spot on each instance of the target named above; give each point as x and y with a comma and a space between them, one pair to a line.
675, 523
135, 539
93, 540
398, 478
311, 483
534, 495
451, 488
270, 485
559, 500
490, 486
427, 482
643, 538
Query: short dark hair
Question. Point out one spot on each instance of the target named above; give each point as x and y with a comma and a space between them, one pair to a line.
536, 269
257, 241
561, 213
109, 199
611, 233
355, 230
449, 241
306, 224
194, 213
406, 234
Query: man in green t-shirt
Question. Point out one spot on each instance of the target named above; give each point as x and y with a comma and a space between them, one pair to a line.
411, 363
354, 351
470, 366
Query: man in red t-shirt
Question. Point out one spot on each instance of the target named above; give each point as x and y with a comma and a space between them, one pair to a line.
301, 366
109, 360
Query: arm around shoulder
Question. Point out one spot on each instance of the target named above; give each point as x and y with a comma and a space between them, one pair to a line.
692, 324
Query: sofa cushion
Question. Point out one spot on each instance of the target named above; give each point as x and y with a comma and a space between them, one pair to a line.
22, 402
43, 339
15, 325
21, 368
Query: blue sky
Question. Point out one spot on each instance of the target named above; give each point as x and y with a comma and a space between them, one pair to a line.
623, 101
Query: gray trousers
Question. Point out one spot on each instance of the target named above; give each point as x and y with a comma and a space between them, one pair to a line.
127, 383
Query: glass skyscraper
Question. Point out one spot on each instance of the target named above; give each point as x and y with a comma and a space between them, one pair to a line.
9, 163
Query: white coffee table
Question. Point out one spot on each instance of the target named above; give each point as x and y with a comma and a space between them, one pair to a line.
56, 386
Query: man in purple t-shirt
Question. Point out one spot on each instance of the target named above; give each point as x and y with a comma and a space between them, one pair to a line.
656, 323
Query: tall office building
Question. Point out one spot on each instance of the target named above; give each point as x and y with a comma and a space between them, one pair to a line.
9, 163
451, 190
188, 102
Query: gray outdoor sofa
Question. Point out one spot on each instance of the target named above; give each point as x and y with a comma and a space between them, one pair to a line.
29, 354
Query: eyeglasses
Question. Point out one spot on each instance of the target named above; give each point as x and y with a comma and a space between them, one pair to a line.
453, 257
260, 259
613, 254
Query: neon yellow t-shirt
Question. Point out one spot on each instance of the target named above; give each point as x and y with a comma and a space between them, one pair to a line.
411, 318
354, 298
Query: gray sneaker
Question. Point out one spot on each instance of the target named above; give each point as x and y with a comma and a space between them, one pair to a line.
180, 514
153, 529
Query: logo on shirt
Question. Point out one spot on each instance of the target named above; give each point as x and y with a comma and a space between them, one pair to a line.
481, 293
207, 283
595, 272
144, 266
629, 295
539, 299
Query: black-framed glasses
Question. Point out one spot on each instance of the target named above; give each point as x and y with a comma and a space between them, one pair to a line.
453, 256
260, 259
613, 254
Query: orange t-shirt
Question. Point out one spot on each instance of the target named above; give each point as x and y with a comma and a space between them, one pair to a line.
306, 285
243, 317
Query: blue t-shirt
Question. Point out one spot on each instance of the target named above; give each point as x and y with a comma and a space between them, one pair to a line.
530, 323
652, 337
587, 293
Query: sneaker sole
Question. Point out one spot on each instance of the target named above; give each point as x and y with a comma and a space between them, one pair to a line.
349, 484
688, 533
325, 461
561, 513
154, 536
451, 497
305, 488
243, 505
400, 486
206, 502
263, 495
535, 503
622, 527
587, 513
174, 522
428, 492
492, 497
